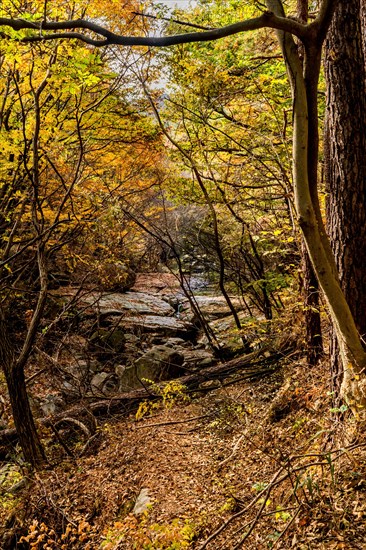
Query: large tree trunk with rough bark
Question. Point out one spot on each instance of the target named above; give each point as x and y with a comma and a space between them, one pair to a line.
305, 141
345, 160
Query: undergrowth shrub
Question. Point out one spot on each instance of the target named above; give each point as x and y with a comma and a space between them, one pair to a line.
168, 395
138, 534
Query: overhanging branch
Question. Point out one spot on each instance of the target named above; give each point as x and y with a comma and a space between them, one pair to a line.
71, 30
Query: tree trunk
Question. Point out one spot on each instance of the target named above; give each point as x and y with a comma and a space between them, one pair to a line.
22, 414
304, 92
314, 339
345, 161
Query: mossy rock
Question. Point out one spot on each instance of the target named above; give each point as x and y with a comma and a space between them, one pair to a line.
112, 340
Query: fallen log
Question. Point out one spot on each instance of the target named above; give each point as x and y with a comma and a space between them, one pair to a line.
256, 364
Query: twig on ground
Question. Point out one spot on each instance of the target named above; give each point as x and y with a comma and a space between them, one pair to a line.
88, 443
235, 448
264, 494
182, 433
51, 503
158, 424
77, 423
259, 513
61, 441
222, 527
35, 375
287, 527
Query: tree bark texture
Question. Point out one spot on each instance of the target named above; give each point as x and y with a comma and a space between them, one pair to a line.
22, 414
345, 159
305, 140
314, 339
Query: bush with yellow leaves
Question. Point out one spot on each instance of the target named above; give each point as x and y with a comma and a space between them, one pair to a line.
137, 534
170, 393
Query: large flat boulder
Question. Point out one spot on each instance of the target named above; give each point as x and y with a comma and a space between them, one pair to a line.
138, 303
167, 326
215, 307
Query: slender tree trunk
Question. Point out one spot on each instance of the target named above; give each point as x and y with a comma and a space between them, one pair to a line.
313, 334
345, 161
13, 363
22, 414
314, 339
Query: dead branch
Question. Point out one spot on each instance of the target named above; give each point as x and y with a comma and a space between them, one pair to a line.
281, 475
88, 444
173, 422
61, 441
77, 423
235, 448
255, 364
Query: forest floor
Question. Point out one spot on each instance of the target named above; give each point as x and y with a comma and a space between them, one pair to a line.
253, 465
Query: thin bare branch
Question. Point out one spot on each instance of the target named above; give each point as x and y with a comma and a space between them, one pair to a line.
172, 20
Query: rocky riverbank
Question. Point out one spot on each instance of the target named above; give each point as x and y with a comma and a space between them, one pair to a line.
125, 341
